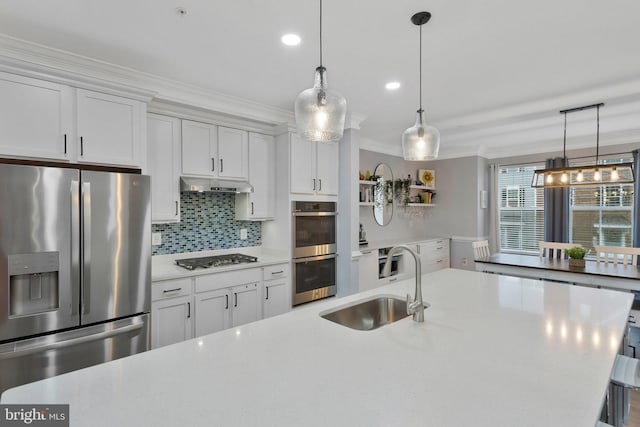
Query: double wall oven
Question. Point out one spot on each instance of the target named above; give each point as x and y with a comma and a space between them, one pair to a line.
314, 250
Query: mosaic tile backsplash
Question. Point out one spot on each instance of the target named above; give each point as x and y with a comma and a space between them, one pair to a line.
207, 221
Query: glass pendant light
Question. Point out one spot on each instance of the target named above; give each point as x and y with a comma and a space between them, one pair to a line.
319, 111
421, 141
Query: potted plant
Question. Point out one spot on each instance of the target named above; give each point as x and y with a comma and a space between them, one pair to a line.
401, 190
576, 256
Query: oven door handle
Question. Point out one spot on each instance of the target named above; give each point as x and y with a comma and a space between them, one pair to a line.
315, 213
314, 258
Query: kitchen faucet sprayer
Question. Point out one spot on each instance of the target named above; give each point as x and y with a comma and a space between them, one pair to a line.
415, 306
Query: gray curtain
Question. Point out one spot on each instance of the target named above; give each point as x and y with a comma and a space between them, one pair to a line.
556, 208
636, 199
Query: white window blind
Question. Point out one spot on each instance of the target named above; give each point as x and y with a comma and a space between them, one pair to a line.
521, 209
601, 214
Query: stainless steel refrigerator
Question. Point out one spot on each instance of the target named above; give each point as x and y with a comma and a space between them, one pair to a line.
75, 269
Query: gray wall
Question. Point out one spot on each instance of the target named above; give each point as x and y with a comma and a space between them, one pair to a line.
458, 214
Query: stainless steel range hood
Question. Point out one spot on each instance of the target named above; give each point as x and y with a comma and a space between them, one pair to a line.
214, 185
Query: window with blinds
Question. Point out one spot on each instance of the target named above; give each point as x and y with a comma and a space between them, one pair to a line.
521, 209
601, 214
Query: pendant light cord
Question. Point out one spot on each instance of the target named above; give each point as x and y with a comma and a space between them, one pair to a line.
597, 133
420, 77
564, 149
321, 33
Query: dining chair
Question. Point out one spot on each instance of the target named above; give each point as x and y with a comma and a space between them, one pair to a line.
554, 250
628, 256
480, 249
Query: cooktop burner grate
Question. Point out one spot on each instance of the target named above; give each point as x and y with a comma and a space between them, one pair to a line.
215, 261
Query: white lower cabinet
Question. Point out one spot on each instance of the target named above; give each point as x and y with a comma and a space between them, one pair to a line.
368, 270
172, 312
227, 299
433, 254
277, 290
246, 304
212, 310
191, 307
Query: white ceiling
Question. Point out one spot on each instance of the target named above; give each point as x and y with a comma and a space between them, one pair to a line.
495, 73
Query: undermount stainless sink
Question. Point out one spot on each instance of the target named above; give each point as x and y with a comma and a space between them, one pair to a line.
369, 314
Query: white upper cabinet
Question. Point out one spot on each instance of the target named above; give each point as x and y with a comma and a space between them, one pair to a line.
199, 148
314, 167
163, 162
327, 167
259, 205
212, 151
109, 129
35, 118
233, 152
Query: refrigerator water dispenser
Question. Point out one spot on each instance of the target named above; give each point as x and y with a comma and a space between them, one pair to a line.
33, 283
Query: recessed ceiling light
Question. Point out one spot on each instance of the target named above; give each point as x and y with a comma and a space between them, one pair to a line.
291, 39
392, 85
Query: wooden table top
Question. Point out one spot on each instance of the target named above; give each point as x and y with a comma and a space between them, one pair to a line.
591, 267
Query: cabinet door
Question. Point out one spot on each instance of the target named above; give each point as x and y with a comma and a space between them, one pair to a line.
276, 297
327, 167
35, 118
303, 166
199, 149
246, 304
233, 152
171, 321
262, 176
110, 129
163, 154
368, 271
213, 310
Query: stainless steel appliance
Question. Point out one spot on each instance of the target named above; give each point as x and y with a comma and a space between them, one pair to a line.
314, 250
75, 269
215, 261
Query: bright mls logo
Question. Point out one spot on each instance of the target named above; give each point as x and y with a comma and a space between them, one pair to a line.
34, 415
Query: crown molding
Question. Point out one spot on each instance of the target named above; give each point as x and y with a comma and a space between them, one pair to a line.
39, 61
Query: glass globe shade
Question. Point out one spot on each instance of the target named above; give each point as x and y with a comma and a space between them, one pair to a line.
320, 112
421, 141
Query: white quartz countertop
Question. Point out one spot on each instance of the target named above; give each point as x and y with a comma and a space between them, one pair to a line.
387, 243
163, 267
493, 351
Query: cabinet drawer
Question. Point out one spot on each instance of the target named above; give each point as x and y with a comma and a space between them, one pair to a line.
170, 289
212, 282
275, 272
436, 245
434, 265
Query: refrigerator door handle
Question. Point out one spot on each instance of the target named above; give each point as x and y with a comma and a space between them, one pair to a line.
75, 246
73, 341
85, 277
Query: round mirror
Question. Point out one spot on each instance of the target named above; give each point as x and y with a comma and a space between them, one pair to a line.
383, 194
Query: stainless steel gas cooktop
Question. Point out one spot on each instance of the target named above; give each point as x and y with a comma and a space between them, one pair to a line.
215, 261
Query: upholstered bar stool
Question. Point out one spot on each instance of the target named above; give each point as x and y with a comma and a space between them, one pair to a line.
625, 376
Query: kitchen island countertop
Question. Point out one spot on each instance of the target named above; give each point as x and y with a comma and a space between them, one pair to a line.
493, 351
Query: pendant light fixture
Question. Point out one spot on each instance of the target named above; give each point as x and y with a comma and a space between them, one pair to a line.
319, 111
421, 141
619, 173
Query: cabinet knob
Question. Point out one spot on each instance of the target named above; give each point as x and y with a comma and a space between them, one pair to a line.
314, 184
65, 143
189, 310
320, 185
267, 288
81, 146
213, 164
221, 166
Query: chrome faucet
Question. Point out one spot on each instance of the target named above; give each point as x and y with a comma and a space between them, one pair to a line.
415, 306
